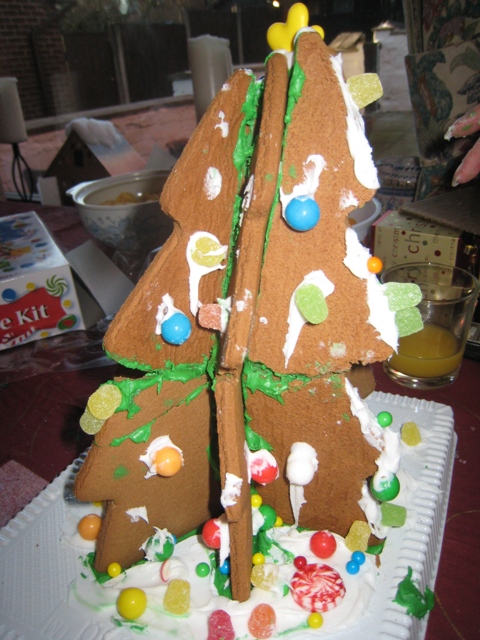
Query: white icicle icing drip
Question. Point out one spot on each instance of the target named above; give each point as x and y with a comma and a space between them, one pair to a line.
225, 310
137, 513
156, 445
373, 514
222, 125
165, 311
224, 538
295, 318
381, 318
302, 465
385, 440
197, 271
231, 490
212, 183
312, 168
360, 150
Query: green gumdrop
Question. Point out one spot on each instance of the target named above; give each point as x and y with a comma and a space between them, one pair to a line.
393, 515
177, 597
408, 321
90, 424
311, 303
402, 295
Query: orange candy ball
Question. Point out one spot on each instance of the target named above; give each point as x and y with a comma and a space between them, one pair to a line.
374, 264
89, 526
167, 461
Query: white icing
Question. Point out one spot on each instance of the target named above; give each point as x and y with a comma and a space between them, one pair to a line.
381, 317
165, 311
100, 599
231, 490
358, 145
295, 318
212, 183
197, 271
263, 320
224, 538
225, 310
338, 350
156, 445
137, 513
155, 543
222, 125
312, 168
302, 465
347, 199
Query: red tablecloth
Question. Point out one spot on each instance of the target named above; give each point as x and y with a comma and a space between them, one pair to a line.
39, 430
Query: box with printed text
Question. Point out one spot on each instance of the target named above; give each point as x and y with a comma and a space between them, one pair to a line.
38, 295
399, 237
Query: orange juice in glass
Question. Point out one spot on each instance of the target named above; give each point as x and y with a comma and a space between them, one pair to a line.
432, 357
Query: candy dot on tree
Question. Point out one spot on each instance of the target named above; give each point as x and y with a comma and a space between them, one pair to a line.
385, 489
302, 213
168, 461
374, 264
256, 500
258, 558
176, 329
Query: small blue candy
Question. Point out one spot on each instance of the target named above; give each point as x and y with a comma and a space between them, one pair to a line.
352, 567
358, 557
225, 568
302, 213
176, 329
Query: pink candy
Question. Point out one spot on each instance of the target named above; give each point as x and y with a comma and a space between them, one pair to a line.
220, 626
317, 588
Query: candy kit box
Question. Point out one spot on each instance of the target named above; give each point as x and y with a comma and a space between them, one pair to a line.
399, 237
40, 296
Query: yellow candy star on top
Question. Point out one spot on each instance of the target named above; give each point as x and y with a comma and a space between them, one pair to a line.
280, 35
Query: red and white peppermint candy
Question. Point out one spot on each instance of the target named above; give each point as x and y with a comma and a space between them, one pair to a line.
317, 588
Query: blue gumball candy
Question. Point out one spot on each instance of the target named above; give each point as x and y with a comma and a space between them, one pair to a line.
352, 567
302, 213
225, 567
176, 329
358, 557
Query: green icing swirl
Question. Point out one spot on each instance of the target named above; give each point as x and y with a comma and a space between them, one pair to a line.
408, 595
258, 377
142, 434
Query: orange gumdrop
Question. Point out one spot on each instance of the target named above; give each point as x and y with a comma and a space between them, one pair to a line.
89, 526
167, 461
374, 264
262, 621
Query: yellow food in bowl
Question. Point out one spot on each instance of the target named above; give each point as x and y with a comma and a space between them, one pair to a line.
129, 198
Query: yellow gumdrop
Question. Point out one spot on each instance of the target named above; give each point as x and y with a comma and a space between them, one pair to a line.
208, 252
357, 537
411, 434
177, 597
104, 401
264, 576
365, 89
90, 424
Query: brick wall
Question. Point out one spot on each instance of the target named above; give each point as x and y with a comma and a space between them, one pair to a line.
32, 50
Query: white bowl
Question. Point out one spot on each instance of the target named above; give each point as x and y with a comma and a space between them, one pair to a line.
362, 218
131, 225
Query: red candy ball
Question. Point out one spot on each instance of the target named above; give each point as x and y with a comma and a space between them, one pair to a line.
323, 544
211, 534
299, 562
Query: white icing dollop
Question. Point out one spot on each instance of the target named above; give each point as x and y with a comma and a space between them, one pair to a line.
380, 317
212, 183
137, 513
165, 310
302, 464
222, 125
156, 542
156, 445
312, 168
347, 199
295, 318
358, 145
231, 490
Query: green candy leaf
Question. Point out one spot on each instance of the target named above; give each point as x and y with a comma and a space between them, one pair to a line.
402, 295
408, 321
311, 303
408, 595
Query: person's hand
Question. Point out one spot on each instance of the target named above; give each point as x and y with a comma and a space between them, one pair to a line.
470, 165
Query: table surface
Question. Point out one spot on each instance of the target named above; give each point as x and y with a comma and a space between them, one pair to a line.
43, 393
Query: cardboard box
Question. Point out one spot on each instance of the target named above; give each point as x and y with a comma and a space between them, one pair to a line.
40, 295
402, 238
